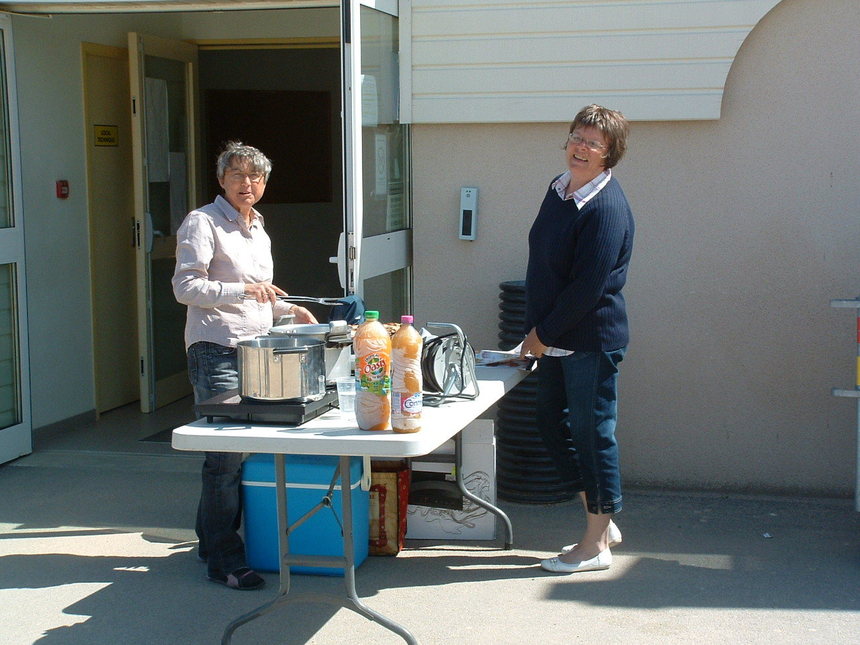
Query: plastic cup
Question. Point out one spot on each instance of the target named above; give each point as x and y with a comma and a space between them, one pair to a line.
346, 395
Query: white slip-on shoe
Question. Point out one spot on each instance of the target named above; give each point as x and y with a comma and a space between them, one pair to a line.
599, 562
614, 538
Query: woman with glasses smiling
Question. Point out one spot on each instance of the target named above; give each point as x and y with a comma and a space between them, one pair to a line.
576, 325
223, 274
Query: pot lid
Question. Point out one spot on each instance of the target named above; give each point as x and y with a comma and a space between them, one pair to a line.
301, 329
336, 327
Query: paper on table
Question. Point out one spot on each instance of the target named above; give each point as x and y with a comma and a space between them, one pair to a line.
498, 358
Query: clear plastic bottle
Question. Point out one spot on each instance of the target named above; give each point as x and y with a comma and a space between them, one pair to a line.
406, 386
372, 348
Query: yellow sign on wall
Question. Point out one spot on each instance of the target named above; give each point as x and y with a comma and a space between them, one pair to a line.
106, 135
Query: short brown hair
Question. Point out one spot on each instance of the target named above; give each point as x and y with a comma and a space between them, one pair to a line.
612, 125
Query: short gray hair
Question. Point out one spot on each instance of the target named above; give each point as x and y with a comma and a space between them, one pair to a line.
236, 151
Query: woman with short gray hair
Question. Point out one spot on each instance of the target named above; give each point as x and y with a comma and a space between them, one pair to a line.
224, 272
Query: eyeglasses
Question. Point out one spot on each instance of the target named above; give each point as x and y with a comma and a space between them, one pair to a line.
238, 176
576, 140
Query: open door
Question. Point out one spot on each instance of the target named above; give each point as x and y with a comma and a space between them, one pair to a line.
110, 206
163, 84
376, 256
15, 421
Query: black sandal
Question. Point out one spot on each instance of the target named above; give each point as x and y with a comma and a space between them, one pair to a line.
243, 579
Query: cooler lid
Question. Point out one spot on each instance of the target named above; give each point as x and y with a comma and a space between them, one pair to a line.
303, 471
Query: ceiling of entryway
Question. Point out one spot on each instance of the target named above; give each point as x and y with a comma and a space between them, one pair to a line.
132, 6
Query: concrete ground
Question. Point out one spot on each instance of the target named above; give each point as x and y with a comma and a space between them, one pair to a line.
97, 547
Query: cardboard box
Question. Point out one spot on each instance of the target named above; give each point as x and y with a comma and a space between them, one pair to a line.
470, 521
308, 479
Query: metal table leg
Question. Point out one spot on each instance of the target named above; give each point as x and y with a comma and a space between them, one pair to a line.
458, 457
351, 601
349, 572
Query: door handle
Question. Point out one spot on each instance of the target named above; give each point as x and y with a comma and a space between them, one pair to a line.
340, 260
148, 232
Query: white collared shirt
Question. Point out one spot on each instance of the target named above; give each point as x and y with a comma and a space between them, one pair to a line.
587, 192
582, 197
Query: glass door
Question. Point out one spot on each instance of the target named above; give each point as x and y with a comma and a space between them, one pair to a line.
15, 422
375, 261
163, 86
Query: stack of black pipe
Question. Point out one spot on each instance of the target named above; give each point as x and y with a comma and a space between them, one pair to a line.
524, 470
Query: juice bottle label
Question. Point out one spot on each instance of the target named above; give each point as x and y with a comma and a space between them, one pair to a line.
373, 373
407, 405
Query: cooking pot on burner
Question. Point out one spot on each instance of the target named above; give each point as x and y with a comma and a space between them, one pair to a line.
287, 368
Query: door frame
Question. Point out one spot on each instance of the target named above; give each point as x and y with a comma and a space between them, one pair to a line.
16, 440
389, 251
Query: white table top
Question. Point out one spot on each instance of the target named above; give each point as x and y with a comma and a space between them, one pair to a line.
330, 434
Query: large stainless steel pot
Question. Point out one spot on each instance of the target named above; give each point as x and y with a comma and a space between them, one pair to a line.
288, 369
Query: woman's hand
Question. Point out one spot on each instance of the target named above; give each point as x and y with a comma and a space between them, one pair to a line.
532, 346
263, 292
302, 315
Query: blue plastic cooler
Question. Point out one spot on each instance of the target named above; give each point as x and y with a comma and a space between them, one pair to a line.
308, 479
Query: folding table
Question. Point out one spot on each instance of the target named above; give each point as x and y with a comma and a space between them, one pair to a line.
332, 434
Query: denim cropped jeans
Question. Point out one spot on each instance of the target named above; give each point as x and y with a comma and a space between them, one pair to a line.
576, 416
213, 369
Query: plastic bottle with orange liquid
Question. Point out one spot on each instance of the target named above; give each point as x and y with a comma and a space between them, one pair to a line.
406, 378
372, 348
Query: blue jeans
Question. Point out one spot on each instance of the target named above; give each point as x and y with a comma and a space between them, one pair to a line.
213, 369
577, 411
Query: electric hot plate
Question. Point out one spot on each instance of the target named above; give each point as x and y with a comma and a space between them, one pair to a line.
232, 406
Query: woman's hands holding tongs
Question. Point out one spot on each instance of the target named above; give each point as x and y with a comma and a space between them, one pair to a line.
263, 292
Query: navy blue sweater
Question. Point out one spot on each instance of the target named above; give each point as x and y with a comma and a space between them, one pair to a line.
577, 267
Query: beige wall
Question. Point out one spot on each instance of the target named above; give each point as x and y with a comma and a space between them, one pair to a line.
747, 227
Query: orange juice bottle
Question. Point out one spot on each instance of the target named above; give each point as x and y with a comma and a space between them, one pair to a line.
406, 386
372, 348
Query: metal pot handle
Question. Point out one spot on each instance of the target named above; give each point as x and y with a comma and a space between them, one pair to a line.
290, 350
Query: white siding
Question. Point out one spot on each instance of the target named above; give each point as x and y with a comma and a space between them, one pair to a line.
490, 61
